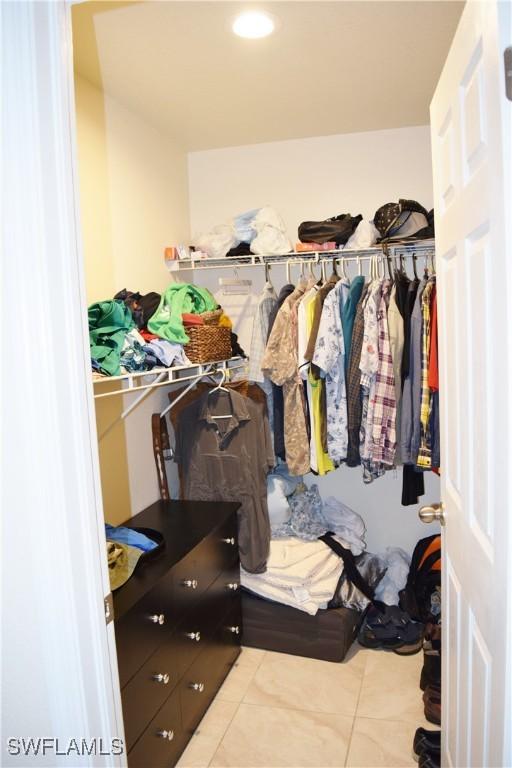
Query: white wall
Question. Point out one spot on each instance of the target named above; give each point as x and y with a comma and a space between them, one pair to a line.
312, 179
134, 202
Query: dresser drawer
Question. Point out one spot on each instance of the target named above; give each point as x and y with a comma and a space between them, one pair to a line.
163, 741
148, 689
205, 676
144, 628
194, 573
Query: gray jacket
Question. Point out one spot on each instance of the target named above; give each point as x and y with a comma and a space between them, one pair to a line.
411, 396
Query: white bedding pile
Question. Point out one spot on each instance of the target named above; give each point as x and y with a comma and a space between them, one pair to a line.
302, 574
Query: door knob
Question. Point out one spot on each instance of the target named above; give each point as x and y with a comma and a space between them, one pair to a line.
431, 513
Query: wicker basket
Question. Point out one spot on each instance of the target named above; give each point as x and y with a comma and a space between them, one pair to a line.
211, 318
208, 342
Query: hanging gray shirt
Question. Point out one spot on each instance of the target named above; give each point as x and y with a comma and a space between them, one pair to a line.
411, 395
228, 460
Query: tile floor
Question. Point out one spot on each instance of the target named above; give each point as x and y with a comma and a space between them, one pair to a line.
276, 710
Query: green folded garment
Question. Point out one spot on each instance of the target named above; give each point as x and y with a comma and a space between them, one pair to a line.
109, 322
122, 560
179, 299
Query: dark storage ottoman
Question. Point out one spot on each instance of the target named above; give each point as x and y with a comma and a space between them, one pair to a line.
275, 627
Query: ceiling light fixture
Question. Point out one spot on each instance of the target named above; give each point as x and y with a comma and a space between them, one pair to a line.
253, 24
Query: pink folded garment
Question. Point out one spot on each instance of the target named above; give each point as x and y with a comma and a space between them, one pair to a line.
308, 247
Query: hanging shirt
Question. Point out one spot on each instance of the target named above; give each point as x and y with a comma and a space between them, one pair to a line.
353, 384
321, 295
277, 392
304, 318
260, 329
368, 366
229, 460
279, 363
317, 404
329, 356
411, 392
396, 343
424, 460
383, 441
348, 313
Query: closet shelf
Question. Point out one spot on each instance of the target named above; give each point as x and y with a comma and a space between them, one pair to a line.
162, 377
419, 248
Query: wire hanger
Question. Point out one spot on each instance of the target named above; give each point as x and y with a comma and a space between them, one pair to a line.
267, 274
334, 267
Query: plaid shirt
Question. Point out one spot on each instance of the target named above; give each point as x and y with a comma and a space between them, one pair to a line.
354, 384
383, 426
425, 452
266, 304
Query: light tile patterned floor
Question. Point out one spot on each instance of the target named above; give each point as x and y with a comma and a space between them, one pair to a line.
277, 711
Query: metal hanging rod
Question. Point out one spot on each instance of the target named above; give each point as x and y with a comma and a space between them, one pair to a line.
420, 248
163, 378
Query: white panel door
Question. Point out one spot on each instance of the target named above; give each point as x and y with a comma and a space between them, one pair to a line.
471, 137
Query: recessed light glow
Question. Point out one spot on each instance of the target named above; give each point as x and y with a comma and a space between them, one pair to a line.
253, 24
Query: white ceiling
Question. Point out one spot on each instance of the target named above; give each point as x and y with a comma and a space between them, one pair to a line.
331, 67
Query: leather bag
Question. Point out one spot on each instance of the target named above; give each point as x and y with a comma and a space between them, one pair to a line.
338, 229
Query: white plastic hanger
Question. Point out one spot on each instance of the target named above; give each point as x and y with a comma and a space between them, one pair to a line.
220, 388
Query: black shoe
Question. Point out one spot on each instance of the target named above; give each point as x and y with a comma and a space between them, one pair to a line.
431, 670
430, 760
427, 742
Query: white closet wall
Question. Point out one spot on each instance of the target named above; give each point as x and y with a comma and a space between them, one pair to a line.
312, 179
134, 202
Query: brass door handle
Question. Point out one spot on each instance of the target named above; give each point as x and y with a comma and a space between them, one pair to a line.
431, 513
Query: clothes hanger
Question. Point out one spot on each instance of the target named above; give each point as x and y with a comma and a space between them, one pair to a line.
414, 267
220, 388
334, 267
385, 253
267, 274
359, 265
288, 272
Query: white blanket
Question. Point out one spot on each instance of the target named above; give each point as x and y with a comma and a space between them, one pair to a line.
302, 574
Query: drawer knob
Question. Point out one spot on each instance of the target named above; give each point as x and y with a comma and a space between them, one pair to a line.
194, 636
199, 687
233, 586
229, 541
157, 618
161, 678
234, 630
169, 735
190, 583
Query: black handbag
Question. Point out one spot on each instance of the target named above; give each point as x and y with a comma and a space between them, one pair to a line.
337, 230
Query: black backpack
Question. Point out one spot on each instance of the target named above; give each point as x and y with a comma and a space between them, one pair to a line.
423, 580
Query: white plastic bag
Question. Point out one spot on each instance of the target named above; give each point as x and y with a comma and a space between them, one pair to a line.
243, 227
271, 235
397, 564
270, 241
365, 235
218, 241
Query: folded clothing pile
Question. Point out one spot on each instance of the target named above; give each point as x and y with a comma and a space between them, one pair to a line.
302, 574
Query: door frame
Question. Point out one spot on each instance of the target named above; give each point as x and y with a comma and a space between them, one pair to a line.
59, 663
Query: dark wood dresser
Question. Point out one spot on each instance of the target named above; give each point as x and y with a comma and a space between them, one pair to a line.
178, 627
